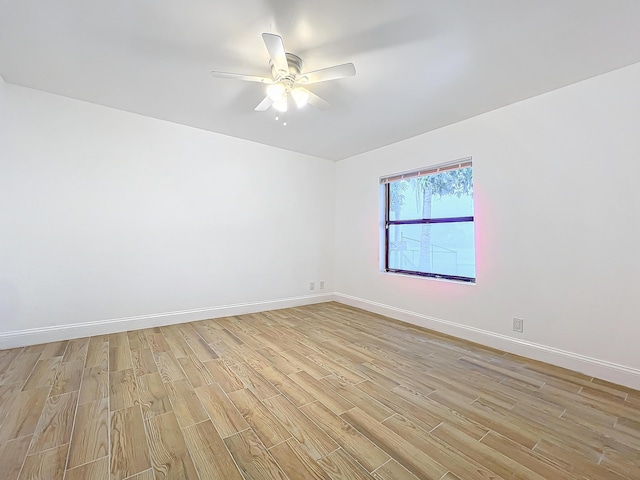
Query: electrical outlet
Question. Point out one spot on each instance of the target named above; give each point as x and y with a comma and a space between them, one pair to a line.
312, 285
518, 325
321, 284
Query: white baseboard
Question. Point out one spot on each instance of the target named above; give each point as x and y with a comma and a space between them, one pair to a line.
612, 372
34, 336
594, 367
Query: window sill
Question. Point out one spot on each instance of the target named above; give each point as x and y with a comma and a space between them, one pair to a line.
421, 277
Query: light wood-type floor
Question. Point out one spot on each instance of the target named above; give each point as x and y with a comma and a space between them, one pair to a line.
317, 392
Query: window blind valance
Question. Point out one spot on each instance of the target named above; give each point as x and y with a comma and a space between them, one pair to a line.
444, 167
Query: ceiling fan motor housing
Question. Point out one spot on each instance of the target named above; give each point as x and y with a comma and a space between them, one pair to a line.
288, 78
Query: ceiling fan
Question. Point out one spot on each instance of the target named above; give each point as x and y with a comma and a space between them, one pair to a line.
288, 79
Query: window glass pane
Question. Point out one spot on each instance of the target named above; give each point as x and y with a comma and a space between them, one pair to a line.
443, 195
439, 248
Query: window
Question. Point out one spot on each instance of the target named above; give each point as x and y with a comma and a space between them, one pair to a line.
428, 222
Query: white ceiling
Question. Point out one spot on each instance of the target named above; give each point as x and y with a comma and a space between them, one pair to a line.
421, 64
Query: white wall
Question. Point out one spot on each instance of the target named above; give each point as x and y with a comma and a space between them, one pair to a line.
107, 215
111, 221
557, 228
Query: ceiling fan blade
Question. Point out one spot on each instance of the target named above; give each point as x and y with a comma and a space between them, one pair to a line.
315, 100
239, 76
275, 46
264, 105
325, 74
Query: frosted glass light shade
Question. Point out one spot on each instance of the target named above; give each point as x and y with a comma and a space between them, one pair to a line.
300, 96
275, 91
281, 104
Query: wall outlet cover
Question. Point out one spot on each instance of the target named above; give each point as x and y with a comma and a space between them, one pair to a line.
518, 325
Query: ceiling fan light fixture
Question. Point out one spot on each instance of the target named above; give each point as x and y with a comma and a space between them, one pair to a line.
288, 77
281, 104
300, 96
276, 91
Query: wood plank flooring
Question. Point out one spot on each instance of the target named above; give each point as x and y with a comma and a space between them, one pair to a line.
318, 392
